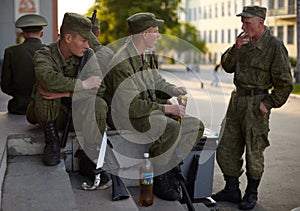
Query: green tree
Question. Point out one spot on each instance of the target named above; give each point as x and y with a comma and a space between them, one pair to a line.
113, 15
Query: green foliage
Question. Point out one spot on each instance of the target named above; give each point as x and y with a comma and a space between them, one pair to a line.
188, 33
293, 61
296, 89
114, 13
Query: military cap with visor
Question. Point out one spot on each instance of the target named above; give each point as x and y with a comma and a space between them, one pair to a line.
31, 23
253, 11
77, 23
139, 22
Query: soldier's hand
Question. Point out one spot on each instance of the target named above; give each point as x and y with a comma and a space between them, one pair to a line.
176, 110
53, 95
263, 109
92, 82
241, 39
179, 90
169, 102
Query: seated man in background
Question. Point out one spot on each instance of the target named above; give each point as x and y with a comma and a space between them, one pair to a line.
18, 75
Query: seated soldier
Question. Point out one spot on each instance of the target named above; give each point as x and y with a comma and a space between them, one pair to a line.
56, 67
138, 98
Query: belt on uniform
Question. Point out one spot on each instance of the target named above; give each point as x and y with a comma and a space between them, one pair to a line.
251, 92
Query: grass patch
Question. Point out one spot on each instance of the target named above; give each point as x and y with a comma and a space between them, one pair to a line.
296, 89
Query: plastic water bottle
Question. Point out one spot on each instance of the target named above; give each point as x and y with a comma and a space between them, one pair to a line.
146, 182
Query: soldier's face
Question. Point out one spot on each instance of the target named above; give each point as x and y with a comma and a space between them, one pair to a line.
78, 45
251, 26
151, 35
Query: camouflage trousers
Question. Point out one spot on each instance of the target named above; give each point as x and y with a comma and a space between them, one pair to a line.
88, 117
245, 131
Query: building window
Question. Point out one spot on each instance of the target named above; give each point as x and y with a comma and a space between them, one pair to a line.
223, 12
228, 36
235, 8
222, 36
209, 36
280, 4
229, 8
205, 14
199, 12
216, 36
271, 4
290, 35
280, 32
236, 31
189, 15
291, 7
271, 29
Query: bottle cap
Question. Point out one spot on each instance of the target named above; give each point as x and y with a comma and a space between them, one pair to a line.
146, 155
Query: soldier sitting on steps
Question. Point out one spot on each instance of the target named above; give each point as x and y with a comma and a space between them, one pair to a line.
56, 67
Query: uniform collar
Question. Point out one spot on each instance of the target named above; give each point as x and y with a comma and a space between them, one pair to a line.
262, 43
74, 59
32, 40
134, 55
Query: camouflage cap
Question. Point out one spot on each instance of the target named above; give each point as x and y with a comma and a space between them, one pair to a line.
141, 21
31, 23
77, 23
252, 11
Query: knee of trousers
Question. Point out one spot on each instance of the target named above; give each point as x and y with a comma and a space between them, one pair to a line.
167, 139
43, 111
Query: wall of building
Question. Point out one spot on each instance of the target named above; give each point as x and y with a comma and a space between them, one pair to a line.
8, 32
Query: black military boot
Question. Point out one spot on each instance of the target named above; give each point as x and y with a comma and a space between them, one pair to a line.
51, 155
166, 186
231, 192
250, 197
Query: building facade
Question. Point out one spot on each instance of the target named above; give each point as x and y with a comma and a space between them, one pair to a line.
218, 25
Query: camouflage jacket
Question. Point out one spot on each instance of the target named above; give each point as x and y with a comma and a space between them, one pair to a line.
135, 86
262, 65
54, 74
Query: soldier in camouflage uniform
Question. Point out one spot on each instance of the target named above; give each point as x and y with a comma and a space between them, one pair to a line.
56, 67
259, 62
138, 99
18, 77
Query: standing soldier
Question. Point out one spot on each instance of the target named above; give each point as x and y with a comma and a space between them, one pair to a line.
56, 67
18, 75
259, 62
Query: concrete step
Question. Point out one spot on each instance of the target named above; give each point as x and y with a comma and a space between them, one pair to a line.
39, 187
97, 199
29, 185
